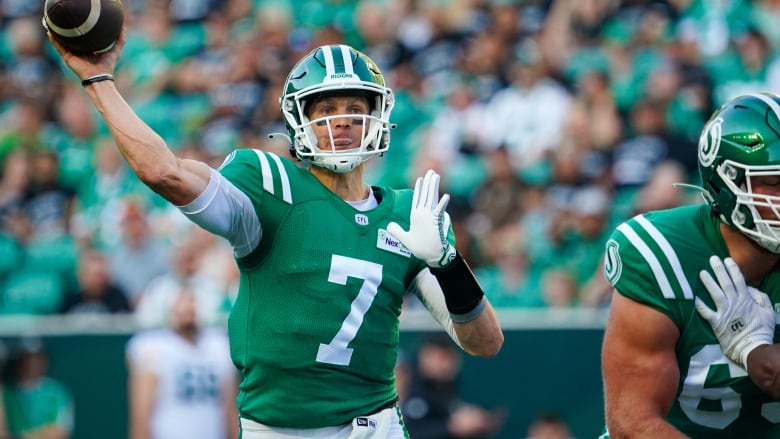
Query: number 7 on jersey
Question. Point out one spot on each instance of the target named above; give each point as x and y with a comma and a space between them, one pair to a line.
342, 268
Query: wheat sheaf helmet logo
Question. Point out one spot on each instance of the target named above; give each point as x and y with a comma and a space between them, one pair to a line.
709, 142
613, 266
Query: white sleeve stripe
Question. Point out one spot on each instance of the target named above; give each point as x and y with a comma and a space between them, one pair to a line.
286, 191
669, 253
268, 178
655, 266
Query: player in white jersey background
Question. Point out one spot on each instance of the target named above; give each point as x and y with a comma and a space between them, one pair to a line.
182, 383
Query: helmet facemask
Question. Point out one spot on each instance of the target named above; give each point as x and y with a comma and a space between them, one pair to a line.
336, 71
745, 215
375, 134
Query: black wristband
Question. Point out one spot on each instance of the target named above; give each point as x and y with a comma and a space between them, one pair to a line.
97, 78
462, 293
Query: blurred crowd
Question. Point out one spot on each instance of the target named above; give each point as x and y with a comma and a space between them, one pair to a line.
549, 120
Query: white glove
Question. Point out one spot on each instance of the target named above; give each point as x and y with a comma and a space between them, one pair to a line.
428, 224
744, 318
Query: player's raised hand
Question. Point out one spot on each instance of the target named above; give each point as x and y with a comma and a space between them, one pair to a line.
90, 65
428, 224
743, 318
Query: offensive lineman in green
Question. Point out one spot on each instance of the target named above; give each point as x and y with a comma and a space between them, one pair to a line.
325, 259
667, 373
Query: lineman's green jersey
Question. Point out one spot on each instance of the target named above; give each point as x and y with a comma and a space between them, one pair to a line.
314, 328
655, 259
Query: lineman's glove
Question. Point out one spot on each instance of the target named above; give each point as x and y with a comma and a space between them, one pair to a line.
428, 224
743, 318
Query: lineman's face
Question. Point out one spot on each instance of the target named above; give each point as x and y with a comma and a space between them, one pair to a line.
341, 125
768, 185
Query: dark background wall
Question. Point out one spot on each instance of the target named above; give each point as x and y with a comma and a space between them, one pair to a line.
538, 370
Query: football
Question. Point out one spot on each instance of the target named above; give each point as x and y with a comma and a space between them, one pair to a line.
84, 26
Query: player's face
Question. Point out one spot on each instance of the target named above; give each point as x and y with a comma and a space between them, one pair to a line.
338, 121
768, 186
184, 315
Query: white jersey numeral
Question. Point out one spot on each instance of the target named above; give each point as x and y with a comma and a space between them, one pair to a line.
341, 268
694, 391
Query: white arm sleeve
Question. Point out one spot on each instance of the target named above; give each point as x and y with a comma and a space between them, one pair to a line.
427, 289
224, 210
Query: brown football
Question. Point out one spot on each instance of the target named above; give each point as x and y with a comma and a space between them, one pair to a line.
84, 26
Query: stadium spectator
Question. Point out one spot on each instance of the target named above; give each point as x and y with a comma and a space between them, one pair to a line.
30, 71
103, 198
182, 382
184, 273
549, 426
560, 288
529, 116
665, 375
47, 205
13, 186
140, 257
36, 405
324, 262
508, 278
97, 293
433, 407
23, 128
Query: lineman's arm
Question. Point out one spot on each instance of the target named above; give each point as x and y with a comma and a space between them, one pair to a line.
177, 180
639, 370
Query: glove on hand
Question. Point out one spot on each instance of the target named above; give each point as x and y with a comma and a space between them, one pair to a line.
428, 224
744, 318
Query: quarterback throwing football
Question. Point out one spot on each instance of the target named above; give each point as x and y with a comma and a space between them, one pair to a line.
325, 259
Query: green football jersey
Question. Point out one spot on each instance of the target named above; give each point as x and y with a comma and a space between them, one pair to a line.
655, 259
314, 329
44, 404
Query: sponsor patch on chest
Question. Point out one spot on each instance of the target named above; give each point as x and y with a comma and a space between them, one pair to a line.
386, 241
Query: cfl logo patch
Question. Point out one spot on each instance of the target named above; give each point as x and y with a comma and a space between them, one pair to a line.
366, 422
737, 326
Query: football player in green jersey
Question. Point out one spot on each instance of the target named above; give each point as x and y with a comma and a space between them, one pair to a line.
667, 373
325, 259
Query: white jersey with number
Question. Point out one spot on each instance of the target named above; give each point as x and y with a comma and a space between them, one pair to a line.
190, 379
